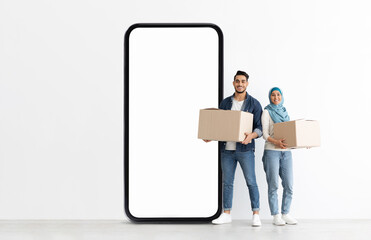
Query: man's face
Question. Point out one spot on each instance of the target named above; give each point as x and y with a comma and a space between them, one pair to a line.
240, 83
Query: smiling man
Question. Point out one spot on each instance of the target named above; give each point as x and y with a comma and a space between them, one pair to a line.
241, 152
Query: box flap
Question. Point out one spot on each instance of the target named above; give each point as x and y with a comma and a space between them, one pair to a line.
303, 119
211, 109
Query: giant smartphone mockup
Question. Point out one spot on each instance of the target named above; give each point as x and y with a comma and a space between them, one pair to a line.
171, 71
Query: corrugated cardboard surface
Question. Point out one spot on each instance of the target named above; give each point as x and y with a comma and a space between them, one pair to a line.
224, 125
245, 124
298, 133
309, 133
287, 131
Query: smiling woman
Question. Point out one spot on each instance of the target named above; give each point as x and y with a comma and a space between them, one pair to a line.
277, 160
275, 97
171, 72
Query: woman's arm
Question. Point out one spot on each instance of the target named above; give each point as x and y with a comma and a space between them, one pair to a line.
265, 123
279, 143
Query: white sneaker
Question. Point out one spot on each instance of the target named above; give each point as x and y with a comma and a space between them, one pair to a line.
278, 221
289, 220
256, 220
223, 218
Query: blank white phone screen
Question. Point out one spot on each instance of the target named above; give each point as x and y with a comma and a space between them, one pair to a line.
173, 73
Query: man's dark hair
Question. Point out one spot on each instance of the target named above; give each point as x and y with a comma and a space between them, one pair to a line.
241, 73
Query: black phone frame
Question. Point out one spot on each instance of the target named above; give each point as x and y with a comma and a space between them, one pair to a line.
126, 118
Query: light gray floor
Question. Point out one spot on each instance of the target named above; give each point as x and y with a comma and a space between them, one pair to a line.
239, 229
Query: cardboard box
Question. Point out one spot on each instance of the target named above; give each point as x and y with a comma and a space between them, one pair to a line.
299, 133
224, 125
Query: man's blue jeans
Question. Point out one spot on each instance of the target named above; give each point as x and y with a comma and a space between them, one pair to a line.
278, 164
229, 161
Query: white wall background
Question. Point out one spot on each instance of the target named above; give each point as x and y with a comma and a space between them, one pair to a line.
61, 93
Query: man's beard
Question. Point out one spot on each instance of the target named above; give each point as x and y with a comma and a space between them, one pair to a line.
241, 91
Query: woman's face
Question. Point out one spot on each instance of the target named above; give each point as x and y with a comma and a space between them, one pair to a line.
276, 97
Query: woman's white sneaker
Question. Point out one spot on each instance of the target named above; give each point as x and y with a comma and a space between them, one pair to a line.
289, 220
256, 220
223, 218
278, 221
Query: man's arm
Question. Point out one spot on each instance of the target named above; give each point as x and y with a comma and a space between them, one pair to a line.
222, 105
249, 137
257, 125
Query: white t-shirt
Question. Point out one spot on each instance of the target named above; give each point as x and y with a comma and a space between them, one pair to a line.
267, 124
237, 105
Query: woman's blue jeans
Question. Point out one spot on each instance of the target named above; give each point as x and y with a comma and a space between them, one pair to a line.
229, 161
278, 164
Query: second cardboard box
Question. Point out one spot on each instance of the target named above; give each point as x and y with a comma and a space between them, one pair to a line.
298, 133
